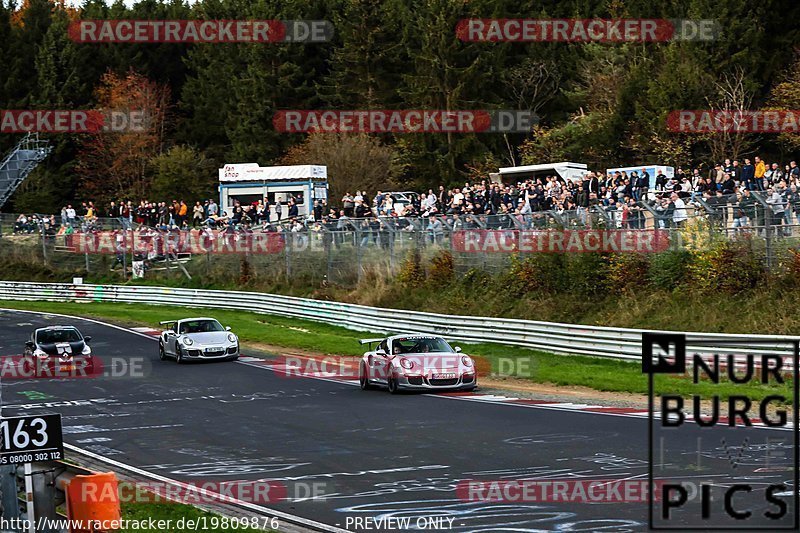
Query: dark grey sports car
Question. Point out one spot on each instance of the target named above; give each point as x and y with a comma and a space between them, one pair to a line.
60, 349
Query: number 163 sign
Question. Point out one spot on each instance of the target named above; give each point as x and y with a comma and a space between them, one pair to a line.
27, 439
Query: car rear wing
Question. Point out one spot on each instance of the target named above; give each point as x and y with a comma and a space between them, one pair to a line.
165, 322
371, 341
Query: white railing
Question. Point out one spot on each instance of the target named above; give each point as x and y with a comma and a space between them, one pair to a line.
616, 343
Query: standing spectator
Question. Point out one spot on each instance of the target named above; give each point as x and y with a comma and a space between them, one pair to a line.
443, 198
435, 230
71, 215
760, 170
213, 208
183, 213
748, 176
748, 205
793, 198
679, 216
661, 181
348, 204
293, 209
775, 200
794, 171
197, 214
163, 214
643, 184
775, 174
278, 209
739, 213
260, 216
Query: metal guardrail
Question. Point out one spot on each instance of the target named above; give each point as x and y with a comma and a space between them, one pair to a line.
614, 343
48, 484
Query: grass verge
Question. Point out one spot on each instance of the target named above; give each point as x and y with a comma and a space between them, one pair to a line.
539, 367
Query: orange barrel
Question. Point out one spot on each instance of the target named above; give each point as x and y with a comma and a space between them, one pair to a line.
93, 500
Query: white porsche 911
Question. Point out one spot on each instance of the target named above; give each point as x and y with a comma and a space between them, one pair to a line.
416, 362
197, 339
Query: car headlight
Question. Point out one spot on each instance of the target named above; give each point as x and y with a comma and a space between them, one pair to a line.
231, 337
407, 364
86, 350
466, 361
38, 353
187, 341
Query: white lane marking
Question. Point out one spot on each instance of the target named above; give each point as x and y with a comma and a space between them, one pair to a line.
71, 430
569, 405
247, 505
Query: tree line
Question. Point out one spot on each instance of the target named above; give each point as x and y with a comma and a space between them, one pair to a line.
599, 103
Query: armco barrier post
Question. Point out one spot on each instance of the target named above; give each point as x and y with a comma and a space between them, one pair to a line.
42, 483
8, 492
93, 498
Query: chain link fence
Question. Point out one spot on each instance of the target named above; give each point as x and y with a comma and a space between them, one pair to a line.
345, 251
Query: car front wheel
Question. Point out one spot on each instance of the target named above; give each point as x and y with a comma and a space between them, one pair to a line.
179, 355
363, 380
393, 386
161, 353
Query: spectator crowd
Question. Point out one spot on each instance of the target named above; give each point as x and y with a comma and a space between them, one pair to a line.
623, 198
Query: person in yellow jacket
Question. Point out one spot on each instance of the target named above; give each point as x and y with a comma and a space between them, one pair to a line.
761, 169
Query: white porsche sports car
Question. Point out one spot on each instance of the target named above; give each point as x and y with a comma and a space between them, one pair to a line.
416, 362
197, 339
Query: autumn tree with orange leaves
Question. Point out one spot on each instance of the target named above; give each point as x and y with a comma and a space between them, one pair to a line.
113, 165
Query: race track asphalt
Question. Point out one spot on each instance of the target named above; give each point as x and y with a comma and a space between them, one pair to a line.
371, 453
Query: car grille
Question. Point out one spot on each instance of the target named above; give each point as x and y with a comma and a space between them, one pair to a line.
215, 353
232, 350
443, 382
415, 380
467, 378
195, 353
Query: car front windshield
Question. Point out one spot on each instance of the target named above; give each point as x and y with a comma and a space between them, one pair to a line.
51, 336
201, 326
420, 345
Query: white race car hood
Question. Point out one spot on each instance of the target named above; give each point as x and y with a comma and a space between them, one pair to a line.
210, 338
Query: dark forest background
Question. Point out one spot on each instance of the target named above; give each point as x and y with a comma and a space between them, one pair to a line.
600, 103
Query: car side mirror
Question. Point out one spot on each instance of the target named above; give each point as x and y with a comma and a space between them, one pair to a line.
87, 338
227, 328
30, 345
380, 352
457, 349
